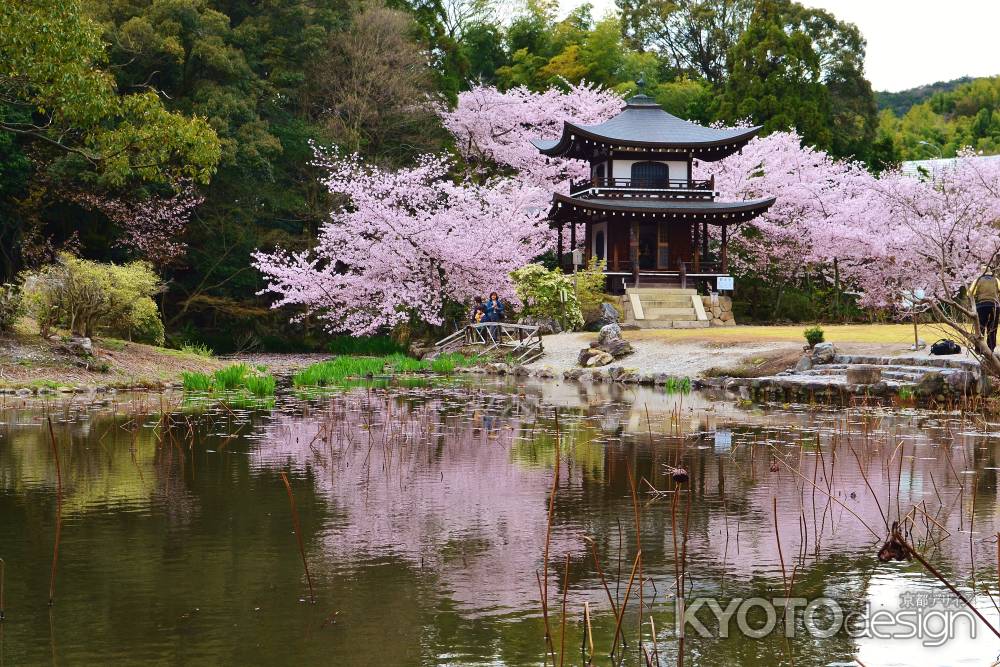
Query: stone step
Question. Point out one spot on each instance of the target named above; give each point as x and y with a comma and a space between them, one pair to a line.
672, 324
921, 362
666, 291
667, 302
656, 313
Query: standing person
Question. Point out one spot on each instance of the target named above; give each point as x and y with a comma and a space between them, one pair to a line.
494, 313
986, 292
476, 315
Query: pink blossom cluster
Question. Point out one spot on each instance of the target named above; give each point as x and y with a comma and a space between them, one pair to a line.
894, 237
152, 227
407, 241
494, 128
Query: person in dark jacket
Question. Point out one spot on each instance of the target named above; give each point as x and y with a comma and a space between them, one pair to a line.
494, 313
986, 292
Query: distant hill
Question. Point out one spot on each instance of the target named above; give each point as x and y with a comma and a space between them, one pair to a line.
901, 102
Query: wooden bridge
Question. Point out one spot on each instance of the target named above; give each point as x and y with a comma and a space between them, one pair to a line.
522, 342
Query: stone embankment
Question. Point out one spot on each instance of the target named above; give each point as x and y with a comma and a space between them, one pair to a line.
825, 374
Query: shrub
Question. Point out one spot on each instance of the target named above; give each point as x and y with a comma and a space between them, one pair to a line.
548, 294
814, 335
83, 295
590, 290
11, 306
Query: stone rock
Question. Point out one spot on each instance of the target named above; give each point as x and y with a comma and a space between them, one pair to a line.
931, 384
65, 390
962, 383
521, 371
546, 372
599, 359
80, 346
661, 378
726, 305
823, 353
717, 322
727, 316
864, 374
609, 331
572, 374
24, 391
546, 325
606, 315
805, 364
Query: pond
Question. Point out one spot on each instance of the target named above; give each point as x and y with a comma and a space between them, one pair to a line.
426, 512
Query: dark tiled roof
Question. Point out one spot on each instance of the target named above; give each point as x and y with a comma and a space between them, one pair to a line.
643, 123
753, 207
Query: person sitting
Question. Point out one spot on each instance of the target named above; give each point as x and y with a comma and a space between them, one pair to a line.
986, 292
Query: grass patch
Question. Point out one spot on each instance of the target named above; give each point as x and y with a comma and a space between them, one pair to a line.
231, 377
198, 350
195, 381
260, 385
337, 370
367, 346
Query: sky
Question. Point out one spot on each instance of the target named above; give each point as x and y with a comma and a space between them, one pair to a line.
911, 42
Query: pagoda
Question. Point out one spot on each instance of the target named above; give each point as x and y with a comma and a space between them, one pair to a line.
643, 212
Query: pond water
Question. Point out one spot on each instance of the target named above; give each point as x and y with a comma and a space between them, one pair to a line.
425, 514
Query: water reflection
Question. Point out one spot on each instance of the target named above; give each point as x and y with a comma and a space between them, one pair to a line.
425, 512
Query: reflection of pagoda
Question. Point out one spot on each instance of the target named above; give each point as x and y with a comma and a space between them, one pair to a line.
643, 212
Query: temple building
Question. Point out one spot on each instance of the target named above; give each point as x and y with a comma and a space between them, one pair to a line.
643, 211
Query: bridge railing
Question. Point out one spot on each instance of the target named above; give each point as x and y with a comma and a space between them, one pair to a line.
523, 342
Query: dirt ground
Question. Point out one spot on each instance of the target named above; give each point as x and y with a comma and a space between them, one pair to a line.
743, 351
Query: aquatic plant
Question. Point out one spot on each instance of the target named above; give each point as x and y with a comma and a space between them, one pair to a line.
260, 385
231, 377
404, 364
196, 381
336, 370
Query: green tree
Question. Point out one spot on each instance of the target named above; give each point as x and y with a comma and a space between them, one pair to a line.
57, 92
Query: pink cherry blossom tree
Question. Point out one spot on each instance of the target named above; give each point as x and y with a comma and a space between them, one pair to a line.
408, 241
413, 239
922, 241
494, 129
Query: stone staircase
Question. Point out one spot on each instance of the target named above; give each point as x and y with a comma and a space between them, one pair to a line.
664, 308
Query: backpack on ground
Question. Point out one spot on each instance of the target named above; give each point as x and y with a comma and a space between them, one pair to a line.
946, 346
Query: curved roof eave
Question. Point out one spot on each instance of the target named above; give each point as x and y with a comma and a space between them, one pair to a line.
559, 146
667, 206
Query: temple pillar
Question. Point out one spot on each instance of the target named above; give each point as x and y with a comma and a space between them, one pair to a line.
559, 244
587, 240
633, 247
697, 248
572, 240
704, 240
725, 250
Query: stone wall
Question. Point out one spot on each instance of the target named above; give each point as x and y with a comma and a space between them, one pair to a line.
721, 313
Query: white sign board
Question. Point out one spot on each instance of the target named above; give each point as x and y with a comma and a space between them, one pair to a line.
724, 283
577, 257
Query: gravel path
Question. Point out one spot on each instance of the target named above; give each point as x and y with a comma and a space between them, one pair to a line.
687, 359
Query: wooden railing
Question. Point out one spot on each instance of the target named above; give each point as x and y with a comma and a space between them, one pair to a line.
642, 183
522, 342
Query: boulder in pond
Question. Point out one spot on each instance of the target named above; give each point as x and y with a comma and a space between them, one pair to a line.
823, 353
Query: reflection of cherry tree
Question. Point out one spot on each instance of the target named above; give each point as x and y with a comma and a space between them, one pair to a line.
434, 490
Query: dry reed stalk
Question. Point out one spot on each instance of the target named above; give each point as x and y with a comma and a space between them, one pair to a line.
562, 623
638, 539
604, 582
298, 535
548, 539
3, 574
55, 547
589, 634
621, 613
930, 568
652, 632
